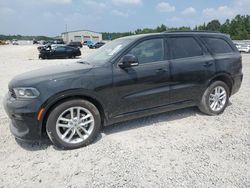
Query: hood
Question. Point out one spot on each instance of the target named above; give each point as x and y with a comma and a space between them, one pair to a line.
52, 72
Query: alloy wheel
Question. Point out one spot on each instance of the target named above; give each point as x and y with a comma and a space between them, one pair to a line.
217, 98
74, 125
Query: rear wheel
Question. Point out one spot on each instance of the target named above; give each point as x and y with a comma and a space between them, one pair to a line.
73, 124
215, 98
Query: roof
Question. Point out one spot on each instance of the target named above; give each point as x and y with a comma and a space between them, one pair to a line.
198, 33
141, 35
80, 31
175, 32
191, 31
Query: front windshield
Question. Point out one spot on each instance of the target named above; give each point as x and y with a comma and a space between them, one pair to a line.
107, 51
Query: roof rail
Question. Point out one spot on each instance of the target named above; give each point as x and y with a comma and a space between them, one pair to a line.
190, 31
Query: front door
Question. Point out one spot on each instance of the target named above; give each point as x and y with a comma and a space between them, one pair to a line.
60, 52
144, 86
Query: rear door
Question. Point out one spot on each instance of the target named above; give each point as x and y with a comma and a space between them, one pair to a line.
227, 57
191, 67
144, 86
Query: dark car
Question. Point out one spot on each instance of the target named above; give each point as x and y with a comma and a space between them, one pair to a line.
59, 41
44, 47
96, 45
127, 78
75, 44
59, 52
35, 41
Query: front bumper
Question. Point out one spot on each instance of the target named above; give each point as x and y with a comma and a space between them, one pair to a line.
78, 53
23, 115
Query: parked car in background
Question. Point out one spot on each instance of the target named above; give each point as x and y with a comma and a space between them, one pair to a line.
243, 48
127, 78
35, 41
49, 46
15, 42
88, 43
75, 44
43, 47
58, 41
59, 52
3, 42
96, 45
43, 42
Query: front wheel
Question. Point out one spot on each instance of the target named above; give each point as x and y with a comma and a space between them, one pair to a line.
44, 57
73, 124
215, 98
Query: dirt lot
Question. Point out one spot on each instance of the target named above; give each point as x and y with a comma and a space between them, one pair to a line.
183, 148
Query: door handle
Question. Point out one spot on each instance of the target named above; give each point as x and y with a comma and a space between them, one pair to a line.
208, 64
161, 71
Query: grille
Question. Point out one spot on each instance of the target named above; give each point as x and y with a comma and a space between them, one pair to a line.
12, 93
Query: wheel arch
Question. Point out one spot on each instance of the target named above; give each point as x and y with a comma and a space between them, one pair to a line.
224, 77
51, 103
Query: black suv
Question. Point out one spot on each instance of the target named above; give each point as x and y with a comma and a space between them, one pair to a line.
127, 78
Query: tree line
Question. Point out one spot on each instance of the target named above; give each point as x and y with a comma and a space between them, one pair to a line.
238, 28
21, 37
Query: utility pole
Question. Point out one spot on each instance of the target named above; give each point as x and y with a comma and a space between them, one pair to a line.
66, 32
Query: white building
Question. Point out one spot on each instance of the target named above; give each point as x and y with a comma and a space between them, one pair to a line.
81, 36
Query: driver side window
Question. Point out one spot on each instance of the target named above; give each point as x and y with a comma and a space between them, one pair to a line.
60, 49
148, 51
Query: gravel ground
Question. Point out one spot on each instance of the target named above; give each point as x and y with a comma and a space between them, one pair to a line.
183, 148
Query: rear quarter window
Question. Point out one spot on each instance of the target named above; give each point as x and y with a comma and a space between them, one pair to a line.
184, 47
217, 45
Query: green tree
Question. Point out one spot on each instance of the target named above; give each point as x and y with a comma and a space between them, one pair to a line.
202, 27
225, 28
161, 28
240, 27
214, 25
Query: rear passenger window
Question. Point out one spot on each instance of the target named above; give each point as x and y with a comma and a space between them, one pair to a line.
182, 47
217, 45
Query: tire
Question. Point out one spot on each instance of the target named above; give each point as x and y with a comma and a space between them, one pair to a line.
63, 110
206, 105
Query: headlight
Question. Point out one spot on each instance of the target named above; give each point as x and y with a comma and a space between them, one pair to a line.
26, 93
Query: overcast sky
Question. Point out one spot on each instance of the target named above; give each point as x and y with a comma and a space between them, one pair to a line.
49, 17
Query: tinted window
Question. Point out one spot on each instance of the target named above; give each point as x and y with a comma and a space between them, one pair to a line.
181, 47
149, 51
218, 46
60, 49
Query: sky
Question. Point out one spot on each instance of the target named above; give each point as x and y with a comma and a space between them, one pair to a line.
50, 17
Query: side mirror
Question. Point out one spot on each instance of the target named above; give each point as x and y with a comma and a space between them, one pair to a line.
128, 60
